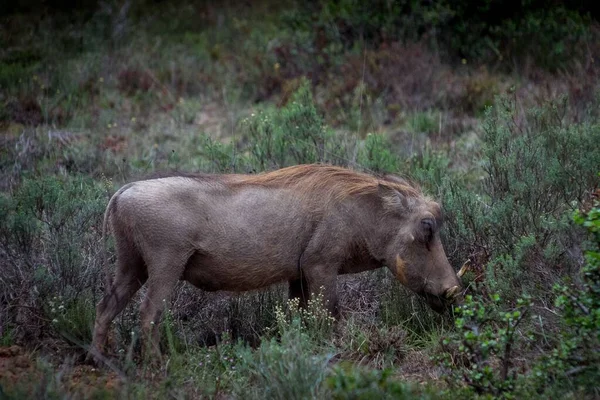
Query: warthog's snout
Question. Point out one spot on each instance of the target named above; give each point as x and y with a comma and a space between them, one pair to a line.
452, 293
452, 296
438, 296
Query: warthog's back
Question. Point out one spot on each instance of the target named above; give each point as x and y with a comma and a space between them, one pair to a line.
236, 238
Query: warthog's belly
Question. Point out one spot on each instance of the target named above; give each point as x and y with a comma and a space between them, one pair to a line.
213, 274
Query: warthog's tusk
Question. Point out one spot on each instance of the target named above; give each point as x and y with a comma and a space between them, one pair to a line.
452, 292
464, 268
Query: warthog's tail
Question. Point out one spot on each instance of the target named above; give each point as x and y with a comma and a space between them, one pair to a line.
107, 275
105, 232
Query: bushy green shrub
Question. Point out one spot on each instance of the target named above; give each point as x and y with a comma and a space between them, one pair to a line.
431, 169
478, 31
532, 174
548, 34
49, 232
285, 369
72, 318
375, 155
294, 362
349, 382
575, 362
218, 157
297, 134
480, 353
515, 225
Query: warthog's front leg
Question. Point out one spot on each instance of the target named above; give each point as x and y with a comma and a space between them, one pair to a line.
322, 281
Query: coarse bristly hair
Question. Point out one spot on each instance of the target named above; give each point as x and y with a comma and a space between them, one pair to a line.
330, 181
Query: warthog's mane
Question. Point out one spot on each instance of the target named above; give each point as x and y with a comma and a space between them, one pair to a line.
329, 181
323, 181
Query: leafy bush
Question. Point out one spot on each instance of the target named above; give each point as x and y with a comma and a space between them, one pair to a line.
289, 369
72, 319
480, 353
49, 230
295, 366
550, 35
294, 135
472, 30
430, 168
515, 226
346, 383
375, 155
575, 362
297, 134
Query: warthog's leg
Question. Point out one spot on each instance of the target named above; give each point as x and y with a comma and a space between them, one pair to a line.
163, 278
299, 289
129, 277
323, 280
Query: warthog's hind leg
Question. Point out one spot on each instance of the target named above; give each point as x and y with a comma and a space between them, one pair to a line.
162, 281
130, 276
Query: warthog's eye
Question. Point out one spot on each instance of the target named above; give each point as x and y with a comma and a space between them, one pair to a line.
428, 229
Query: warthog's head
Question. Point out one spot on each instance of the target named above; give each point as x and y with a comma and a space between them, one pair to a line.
414, 251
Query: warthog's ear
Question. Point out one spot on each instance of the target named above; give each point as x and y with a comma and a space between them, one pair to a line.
393, 200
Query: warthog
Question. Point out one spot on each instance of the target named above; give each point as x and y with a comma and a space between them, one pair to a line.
304, 224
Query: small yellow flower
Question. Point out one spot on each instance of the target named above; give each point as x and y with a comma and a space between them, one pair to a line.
464, 61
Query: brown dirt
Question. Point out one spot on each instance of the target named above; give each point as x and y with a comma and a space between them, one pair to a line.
14, 366
22, 373
417, 367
